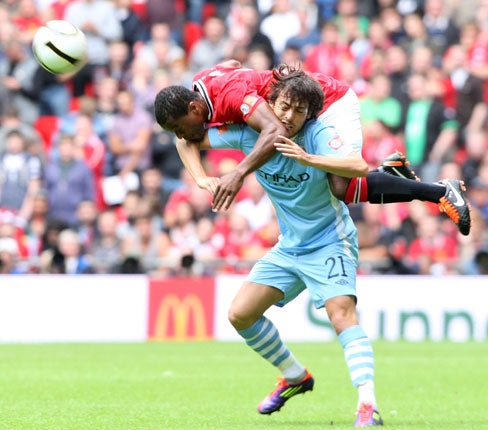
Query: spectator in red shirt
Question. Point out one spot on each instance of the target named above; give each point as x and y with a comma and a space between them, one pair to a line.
55, 10
9, 228
186, 193
379, 143
433, 251
240, 244
326, 57
27, 20
9, 257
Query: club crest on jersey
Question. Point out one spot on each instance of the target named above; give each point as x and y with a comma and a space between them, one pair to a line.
248, 103
336, 143
245, 109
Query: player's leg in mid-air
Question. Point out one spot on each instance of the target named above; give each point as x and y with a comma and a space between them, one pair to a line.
393, 181
260, 334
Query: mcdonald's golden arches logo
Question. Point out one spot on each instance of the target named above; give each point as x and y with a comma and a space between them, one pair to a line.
181, 312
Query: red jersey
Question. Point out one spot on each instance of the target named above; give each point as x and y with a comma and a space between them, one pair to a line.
233, 94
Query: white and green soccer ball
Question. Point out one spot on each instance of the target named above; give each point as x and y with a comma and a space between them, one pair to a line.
60, 47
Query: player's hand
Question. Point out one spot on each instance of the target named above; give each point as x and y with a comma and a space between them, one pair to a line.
209, 183
290, 149
224, 195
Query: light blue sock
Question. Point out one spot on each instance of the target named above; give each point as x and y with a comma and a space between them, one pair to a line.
360, 361
264, 338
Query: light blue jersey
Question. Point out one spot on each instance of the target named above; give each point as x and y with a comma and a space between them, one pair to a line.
317, 248
310, 217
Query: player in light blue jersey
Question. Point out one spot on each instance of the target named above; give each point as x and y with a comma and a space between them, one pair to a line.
310, 217
317, 249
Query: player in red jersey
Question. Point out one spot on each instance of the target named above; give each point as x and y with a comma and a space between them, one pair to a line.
229, 93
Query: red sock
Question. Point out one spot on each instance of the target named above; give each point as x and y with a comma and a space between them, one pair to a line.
357, 191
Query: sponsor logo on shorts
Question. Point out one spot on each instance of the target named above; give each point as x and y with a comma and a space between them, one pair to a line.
342, 282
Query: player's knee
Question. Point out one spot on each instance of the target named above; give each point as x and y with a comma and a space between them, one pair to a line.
342, 323
342, 313
239, 320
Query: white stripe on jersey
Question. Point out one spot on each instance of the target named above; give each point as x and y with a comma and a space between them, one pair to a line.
200, 87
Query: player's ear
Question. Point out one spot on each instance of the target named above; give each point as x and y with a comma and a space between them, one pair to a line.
195, 107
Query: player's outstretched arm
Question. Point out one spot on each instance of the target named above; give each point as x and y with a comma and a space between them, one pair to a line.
270, 127
349, 167
190, 155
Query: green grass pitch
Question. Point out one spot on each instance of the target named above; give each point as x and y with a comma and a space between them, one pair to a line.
216, 385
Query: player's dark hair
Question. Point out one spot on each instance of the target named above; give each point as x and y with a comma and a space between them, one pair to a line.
172, 102
298, 86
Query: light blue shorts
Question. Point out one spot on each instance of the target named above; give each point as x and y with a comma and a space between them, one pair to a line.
327, 272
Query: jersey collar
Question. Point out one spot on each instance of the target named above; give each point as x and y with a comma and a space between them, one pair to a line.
199, 86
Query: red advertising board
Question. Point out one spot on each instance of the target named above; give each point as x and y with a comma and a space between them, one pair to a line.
181, 309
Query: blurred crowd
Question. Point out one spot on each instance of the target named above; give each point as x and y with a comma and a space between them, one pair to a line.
89, 183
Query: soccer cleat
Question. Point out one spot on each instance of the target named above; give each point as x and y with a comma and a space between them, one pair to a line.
284, 391
397, 164
367, 416
455, 205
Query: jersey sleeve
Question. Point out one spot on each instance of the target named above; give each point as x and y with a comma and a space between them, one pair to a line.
226, 136
236, 101
233, 136
326, 141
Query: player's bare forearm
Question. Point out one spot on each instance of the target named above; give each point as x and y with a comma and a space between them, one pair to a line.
351, 166
263, 150
191, 158
270, 127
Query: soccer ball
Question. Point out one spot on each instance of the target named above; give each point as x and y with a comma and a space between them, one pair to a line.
60, 47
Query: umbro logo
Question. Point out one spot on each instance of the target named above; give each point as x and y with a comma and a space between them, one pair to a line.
342, 282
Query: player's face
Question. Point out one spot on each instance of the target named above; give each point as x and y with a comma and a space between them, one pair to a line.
190, 127
291, 113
